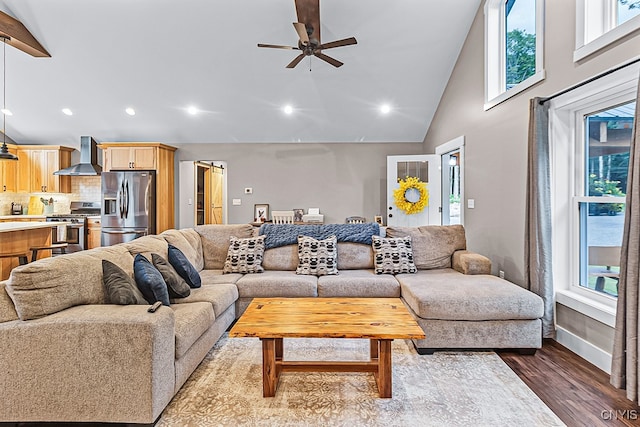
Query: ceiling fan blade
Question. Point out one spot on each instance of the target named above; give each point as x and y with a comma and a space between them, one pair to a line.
277, 46
301, 29
339, 43
328, 59
296, 61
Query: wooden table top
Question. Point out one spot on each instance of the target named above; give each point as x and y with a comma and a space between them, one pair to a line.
378, 318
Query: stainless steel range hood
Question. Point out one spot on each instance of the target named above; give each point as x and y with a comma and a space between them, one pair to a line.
88, 160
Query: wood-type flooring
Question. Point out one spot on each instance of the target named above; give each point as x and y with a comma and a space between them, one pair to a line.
578, 392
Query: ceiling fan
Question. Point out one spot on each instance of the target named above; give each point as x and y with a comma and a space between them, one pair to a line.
308, 29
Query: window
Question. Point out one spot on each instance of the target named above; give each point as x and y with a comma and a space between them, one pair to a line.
590, 131
600, 199
513, 48
602, 22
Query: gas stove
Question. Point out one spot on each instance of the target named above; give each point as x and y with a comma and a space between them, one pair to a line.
75, 233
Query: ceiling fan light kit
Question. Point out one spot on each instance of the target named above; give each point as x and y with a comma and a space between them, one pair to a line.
308, 29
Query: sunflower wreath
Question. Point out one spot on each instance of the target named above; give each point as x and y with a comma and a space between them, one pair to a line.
412, 196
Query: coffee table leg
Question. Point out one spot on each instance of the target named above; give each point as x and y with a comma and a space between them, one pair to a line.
373, 349
384, 369
269, 374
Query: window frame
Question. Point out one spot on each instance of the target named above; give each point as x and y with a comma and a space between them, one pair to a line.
495, 91
596, 26
567, 145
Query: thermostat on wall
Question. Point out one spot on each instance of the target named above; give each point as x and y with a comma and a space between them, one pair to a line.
248, 190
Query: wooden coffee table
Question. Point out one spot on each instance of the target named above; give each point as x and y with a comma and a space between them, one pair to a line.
381, 320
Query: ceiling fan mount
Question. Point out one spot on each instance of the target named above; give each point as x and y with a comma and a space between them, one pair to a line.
308, 29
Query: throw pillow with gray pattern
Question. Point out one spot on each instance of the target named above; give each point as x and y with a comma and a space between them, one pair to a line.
393, 255
244, 255
317, 257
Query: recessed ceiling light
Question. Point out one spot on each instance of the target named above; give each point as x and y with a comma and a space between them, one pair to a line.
385, 108
130, 111
288, 109
192, 110
67, 112
6, 112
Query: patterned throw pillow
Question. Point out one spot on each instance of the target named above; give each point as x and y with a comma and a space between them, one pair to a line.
317, 257
244, 255
393, 255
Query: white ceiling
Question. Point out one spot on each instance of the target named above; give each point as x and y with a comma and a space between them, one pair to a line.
160, 56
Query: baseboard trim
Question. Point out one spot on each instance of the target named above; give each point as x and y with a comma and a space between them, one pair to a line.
584, 349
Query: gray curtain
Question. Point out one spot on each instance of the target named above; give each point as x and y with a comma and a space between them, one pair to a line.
625, 362
537, 253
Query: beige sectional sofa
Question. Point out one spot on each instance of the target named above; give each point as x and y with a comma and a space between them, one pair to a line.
68, 356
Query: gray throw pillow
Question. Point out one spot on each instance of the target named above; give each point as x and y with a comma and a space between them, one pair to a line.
176, 285
317, 257
121, 288
393, 255
244, 255
150, 281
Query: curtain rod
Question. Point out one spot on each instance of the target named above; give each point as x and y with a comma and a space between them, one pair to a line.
599, 76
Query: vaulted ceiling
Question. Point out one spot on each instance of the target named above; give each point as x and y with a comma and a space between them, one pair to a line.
160, 57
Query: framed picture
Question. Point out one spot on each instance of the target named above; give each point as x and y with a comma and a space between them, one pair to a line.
260, 213
297, 215
378, 219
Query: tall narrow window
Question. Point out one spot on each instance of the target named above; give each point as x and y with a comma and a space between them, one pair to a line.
513, 47
605, 166
520, 48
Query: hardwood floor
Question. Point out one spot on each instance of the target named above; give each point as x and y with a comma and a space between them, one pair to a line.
576, 391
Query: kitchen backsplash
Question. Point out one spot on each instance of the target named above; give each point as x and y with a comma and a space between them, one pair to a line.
84, 188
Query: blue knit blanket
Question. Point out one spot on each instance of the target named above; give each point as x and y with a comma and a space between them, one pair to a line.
287, 234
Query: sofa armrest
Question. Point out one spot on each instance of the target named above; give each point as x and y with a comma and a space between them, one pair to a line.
467, 262
100, 363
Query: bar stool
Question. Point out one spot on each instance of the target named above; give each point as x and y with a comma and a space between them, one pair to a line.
22, 257
34, 249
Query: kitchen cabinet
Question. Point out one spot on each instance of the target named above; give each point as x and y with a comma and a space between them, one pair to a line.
36, 165
93, 232
8, 171
140, 158
147, 156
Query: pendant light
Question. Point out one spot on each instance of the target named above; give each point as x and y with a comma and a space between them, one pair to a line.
4, 150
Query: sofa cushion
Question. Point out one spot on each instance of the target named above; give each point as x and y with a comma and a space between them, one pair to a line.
357, 284
283, 258
7, 309
244, 255
189, 243
120, 287
354, 256
393, 255
277, 284
214, 277
145, 245
176, 285
215, 241
54, 284
191, 321
150, 281
446, 294
433, 245
317, 257
185, 269
220, 296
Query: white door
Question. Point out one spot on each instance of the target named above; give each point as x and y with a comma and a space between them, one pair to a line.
426, 168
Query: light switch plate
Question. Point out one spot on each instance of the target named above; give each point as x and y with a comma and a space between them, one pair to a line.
236, 202
471, 203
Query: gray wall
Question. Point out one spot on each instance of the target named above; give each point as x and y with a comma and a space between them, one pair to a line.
340, 179
496, 140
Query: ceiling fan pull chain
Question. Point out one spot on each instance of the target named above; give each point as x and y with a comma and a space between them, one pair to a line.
309, 63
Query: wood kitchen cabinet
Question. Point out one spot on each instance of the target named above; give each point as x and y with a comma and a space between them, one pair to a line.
147, 156
94, 228
36, 165
9, 171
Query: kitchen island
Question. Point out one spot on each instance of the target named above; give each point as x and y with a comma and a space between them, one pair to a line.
18, 237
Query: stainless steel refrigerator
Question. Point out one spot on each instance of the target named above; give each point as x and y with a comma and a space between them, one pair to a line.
128, 206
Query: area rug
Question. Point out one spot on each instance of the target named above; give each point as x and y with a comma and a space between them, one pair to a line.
444, 389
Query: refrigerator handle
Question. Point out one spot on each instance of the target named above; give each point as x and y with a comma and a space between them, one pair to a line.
121, 200
126, 198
